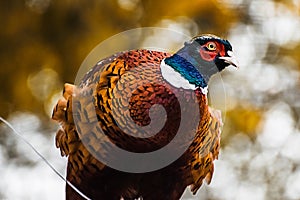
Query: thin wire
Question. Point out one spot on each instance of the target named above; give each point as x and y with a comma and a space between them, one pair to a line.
43, 158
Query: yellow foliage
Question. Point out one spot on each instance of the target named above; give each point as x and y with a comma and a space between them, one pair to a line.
244, 119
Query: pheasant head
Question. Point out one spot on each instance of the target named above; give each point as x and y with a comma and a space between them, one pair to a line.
192, 66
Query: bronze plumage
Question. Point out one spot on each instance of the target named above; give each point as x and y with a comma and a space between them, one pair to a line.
91, 105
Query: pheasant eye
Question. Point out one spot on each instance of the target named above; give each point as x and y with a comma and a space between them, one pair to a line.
211, 46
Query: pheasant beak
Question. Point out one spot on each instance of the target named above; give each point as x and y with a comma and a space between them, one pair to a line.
231, 59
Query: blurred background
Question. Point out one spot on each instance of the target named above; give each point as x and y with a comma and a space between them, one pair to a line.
44, 42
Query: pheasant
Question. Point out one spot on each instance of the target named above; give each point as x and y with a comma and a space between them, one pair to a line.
114, 105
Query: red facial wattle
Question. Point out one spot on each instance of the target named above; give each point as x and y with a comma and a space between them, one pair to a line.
210, 55
207, 55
